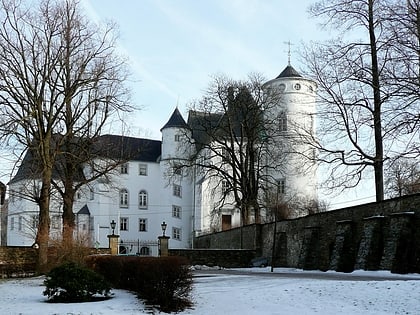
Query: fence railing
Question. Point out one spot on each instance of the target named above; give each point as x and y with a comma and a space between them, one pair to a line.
138, 247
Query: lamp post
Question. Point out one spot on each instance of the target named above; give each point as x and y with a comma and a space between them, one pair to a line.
113, 224
163, 226
163, 241
113, 239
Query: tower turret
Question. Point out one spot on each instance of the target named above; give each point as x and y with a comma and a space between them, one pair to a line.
175, 137
293, 108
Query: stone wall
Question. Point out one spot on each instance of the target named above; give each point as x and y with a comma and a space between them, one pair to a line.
373, 236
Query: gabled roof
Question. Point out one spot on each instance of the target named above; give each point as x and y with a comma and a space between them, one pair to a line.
119, 148
176, 120
203, 125
128, 148
289, 72
84, 210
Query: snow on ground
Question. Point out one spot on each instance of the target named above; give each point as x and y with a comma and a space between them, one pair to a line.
244, 293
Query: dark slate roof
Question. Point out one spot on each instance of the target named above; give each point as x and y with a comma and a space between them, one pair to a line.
84, 210
203, 125
207, 126
129, 148
289, 72
176, 120
119, 148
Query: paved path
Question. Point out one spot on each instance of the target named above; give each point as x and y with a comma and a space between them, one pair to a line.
369, 276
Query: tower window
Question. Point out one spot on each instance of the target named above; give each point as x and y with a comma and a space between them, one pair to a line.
281, 186
282, 121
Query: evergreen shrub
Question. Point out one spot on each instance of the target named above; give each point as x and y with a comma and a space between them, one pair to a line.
165, 282
71, 283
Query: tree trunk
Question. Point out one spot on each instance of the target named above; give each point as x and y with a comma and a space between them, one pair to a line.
377, 101
43, 232
68, 215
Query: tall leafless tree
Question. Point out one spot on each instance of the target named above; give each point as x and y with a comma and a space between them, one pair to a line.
59, 75
361, 109
236, 150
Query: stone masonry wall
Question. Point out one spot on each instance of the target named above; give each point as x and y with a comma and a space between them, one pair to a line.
373, 236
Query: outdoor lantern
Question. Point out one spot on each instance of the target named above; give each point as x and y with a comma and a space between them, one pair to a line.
163, 225
113, 224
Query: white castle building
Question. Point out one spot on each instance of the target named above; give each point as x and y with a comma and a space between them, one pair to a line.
148, 189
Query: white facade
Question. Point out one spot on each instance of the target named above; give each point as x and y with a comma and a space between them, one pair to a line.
143, 193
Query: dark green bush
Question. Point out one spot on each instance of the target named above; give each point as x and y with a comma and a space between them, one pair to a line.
73, 283
165, 282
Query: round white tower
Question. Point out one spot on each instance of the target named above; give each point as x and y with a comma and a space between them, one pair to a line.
292, 113
176, 135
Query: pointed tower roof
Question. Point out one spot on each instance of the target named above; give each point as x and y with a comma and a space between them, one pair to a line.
176, 120
84, 210
289, 72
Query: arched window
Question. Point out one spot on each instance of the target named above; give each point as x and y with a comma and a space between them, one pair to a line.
143, 199
124, 198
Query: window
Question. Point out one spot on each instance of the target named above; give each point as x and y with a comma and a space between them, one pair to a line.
78, 195
176, 211
124, 168
55, 222
143, 199
35, 220
225, 155
12, 224
177, 138
143, 225
297, 86
145, 251
177, 190
143, 169
123, 224
281, 186
124, 198
92, 194
176, 233
282, 121
225, 186
20, 223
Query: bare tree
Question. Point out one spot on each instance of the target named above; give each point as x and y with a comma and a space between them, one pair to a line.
360, 104
91, 76
238, 150
58, 76
403, 178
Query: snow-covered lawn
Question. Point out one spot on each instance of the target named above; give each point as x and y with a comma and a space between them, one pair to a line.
248, 293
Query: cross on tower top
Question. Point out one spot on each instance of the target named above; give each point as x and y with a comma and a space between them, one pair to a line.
288, 51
